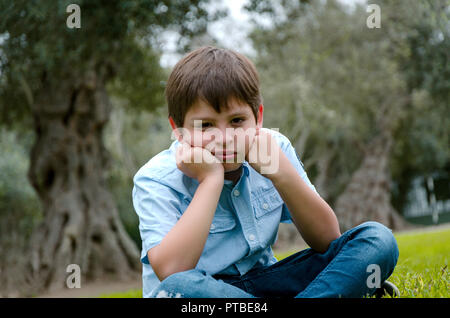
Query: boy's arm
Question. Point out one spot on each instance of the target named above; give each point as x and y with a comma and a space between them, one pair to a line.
181, 248
312, 216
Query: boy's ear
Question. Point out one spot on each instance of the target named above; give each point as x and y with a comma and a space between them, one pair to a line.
175, 129
259, 121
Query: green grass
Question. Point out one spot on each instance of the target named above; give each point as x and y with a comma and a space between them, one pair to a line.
133, 293
421, 271
422, 268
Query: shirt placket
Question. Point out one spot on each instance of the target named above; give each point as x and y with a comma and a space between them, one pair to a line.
240, 197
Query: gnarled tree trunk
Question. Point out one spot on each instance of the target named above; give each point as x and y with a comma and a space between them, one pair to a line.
81, 223
367, 195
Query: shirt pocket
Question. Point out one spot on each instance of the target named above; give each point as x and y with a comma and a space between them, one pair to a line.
223, 221
267, 201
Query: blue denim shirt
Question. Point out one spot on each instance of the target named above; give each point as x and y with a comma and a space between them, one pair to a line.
245, 223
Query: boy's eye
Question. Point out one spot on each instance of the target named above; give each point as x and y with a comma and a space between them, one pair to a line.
237, 120
206, 125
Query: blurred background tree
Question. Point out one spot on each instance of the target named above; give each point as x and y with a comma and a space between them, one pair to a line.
59, 81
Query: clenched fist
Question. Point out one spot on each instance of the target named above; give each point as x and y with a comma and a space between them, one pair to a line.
264, 153
197, 162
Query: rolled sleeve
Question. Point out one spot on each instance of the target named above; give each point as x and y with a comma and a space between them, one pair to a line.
158, 209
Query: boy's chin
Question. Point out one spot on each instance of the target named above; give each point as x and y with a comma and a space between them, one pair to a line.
231, 166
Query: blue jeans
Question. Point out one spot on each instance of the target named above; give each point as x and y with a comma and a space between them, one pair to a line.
344, 270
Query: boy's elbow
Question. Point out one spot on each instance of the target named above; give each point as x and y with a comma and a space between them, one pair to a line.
163, 268
332, 233
158, 265
162, 274
323, 246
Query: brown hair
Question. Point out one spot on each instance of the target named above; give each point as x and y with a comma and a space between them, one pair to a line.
214, 75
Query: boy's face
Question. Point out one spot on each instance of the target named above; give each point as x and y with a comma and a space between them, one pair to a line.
227, 134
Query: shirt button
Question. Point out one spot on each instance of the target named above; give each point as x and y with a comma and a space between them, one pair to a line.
251, 237
265, 206
236, 193
213, 226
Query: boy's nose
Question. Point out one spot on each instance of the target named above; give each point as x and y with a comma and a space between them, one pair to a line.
225, 138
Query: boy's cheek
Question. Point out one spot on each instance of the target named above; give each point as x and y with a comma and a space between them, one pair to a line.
242, 147
207, 141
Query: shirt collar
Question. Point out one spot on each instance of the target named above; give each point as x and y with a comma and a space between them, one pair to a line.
246, 168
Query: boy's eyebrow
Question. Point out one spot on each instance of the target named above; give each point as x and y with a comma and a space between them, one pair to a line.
237, 113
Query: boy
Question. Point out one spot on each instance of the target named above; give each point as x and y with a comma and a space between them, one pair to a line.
209, 206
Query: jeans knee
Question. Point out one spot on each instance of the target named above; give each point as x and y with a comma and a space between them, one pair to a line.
382, 239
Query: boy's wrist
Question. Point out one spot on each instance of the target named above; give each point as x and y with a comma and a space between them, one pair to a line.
284, 169
215, 177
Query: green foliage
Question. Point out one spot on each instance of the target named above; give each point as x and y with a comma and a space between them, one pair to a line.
142, 87
20, 208
117, 39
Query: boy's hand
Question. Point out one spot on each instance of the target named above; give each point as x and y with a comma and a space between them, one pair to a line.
264, 153
197, 162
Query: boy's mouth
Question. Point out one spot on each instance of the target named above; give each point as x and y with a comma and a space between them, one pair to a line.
225, 155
